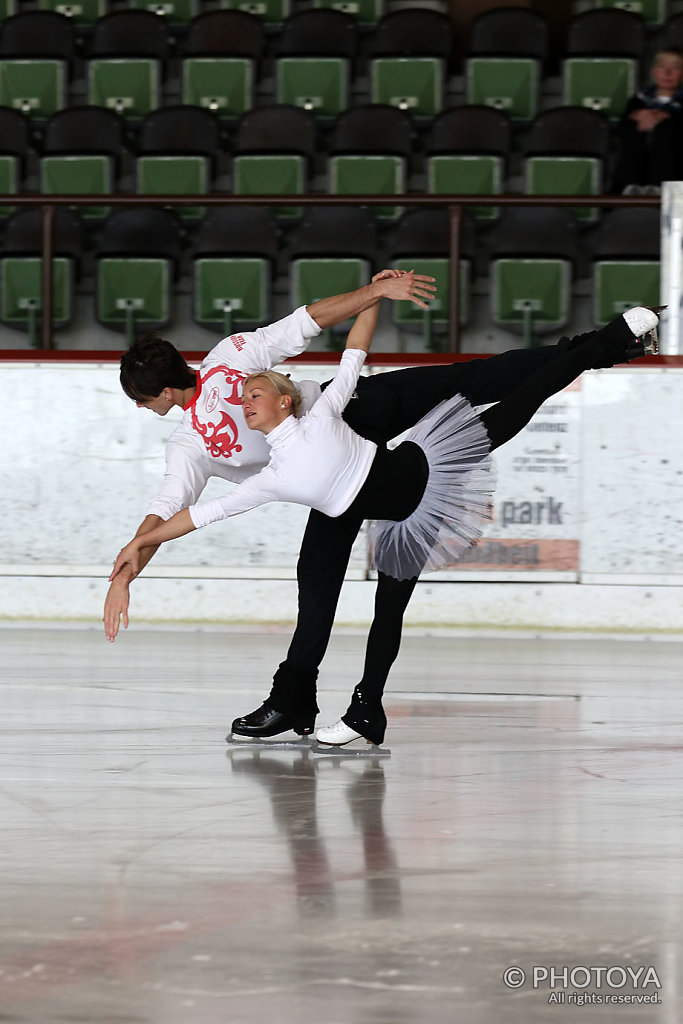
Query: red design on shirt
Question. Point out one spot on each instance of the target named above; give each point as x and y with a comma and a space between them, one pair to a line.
238, 341
215, 426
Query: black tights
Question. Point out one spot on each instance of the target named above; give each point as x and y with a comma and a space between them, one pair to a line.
505, 419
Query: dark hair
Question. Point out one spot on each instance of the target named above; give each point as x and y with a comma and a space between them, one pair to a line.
152, 364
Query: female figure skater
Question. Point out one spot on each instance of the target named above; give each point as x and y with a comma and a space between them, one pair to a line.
430, 496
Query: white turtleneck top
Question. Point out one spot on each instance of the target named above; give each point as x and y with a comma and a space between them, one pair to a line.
315, 460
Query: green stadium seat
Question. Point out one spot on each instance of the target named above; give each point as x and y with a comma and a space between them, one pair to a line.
457, 174
177, 12
509, 84
532, 294
21, 293
131, 86
601, 83
653, 11
318, 84
133, 293
272, 12
83, 13
230, 288
415, 84
271, 174
88, 175
9, 177
36, 87
407, 313
370, 174
367, 12
565, 175
222, 84
312, 277
620, 284
174, 175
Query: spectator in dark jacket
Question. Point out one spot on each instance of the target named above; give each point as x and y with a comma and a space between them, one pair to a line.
651, 130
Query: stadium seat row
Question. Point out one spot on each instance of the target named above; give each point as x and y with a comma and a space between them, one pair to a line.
531, 265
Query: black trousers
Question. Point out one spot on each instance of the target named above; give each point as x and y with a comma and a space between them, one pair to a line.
387, 404
649, 158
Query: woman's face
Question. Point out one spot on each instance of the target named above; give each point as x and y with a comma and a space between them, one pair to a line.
263, 408
667, 72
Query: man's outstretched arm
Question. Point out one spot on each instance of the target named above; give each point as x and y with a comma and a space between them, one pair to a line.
388, 284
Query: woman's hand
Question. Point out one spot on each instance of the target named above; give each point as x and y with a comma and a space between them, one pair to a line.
130, 555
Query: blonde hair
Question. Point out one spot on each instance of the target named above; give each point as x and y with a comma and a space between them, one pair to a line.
280, 384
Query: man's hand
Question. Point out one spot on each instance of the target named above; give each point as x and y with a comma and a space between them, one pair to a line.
405, 284
116, 607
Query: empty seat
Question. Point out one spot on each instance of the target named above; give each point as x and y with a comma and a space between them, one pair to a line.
220, 61
422, 242
138, 252
315, 55
177, 152
532, 262
83, 13
366, 12
370, 149
566, 150
177, 13
604, 48
36, 49
21, 269
180, 129
274, 148
672, 33
653, 11
81, 150
127, 53
15, 142
626, 264
335, 250
507, 50
467, 150
234, 253
271, 12
410, 51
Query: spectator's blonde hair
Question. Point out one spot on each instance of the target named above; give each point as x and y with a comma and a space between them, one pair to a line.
280, 384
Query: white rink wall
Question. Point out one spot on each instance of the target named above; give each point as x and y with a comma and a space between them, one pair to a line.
586, 532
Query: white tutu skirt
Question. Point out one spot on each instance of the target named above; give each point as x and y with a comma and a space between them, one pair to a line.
457, 501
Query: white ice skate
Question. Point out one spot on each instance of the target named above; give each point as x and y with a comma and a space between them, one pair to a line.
643, 322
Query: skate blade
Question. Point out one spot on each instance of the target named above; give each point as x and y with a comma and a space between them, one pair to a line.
367, 750
651, 342
236, 742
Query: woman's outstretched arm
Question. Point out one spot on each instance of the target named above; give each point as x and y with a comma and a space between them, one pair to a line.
177, 526
363, 330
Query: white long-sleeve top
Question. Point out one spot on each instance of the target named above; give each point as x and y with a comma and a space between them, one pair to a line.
213, 438
316, 460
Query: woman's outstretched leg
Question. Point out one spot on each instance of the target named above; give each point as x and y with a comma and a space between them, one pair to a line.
615, 343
